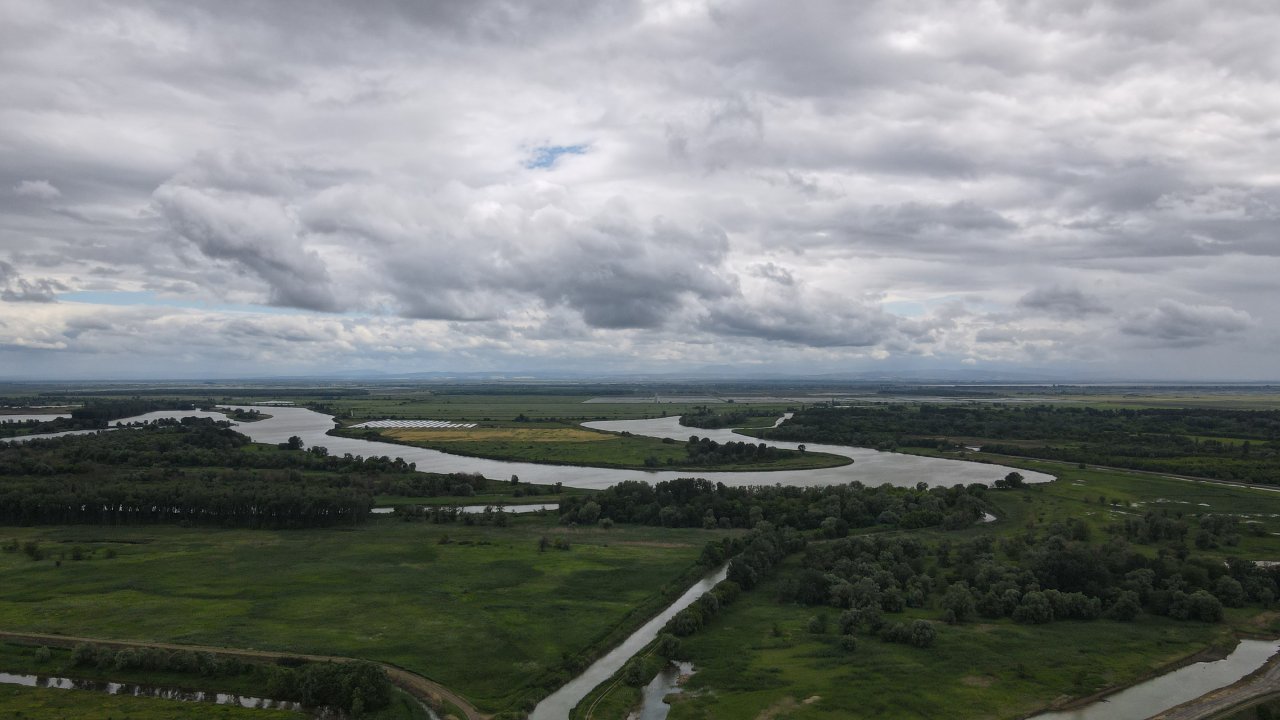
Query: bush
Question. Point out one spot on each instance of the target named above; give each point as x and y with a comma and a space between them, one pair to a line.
43, 654
1126, 608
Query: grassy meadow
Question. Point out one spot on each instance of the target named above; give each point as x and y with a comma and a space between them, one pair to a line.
759, 659
480, 609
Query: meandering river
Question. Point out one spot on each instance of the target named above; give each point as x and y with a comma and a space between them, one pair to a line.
870, 467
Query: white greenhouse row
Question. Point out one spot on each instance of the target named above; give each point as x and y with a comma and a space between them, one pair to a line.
422, 424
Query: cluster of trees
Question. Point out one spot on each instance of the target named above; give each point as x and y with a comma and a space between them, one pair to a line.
438, 514
764, 548
832, 510
706, 418
190, 442
1032, 578
453, 484
194, 471
705, 451
1223, 444
353, 688
93, 415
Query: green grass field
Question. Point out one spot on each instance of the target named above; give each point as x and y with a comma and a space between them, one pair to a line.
980, 670
485, 614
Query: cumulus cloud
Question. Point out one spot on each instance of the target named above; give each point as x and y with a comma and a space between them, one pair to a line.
660, 182
1177, 324
15, 288
37, 189
254, 233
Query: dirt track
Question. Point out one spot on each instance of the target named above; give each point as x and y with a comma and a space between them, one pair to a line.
412, 683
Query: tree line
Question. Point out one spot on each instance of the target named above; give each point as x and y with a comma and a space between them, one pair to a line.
1215, 443
1036, 577
197, 472
352, 688
832, 510
706, 418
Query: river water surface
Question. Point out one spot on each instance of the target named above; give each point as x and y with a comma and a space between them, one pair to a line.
870, 467
1174, 688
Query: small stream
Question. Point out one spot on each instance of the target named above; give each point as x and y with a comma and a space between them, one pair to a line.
667, 681
148, 691
558, 704
1175, 687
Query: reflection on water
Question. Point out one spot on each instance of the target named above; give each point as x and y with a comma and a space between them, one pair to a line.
666, 682
1174, 688
148, 691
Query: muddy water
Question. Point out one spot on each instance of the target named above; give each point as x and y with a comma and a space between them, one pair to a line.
1174, 688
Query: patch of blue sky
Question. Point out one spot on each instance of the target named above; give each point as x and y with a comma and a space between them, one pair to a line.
545, 156
920, 308
905, 308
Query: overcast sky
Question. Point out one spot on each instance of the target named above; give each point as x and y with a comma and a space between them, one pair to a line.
233, 188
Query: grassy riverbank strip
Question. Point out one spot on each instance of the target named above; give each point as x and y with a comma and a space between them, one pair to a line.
27, 702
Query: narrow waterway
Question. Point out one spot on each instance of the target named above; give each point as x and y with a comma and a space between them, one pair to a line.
653, 704
147, 691
29, 418
1174, 688
557, 705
